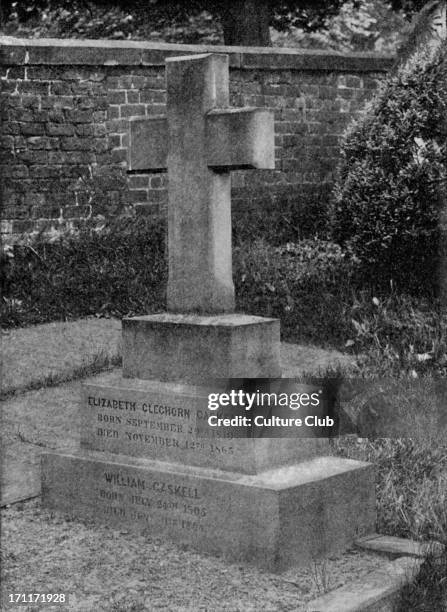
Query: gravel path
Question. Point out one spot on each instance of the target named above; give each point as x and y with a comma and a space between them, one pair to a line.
115, 571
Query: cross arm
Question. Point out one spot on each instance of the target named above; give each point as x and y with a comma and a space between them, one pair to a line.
148, 146
234, 139
240, 139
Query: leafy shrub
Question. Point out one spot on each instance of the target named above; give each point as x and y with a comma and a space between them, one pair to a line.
314, 288
398, 334
121, 270
280, 220
392, 181
116, 271
307, 285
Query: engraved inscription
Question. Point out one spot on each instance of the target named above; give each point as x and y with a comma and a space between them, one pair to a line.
107, 433
182, 413
148, 439
156, 502
145, 424
131, 425
105, 402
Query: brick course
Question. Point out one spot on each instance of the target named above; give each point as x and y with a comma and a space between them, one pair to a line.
65, 107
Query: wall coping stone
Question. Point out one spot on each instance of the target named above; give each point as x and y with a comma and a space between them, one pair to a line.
68, 51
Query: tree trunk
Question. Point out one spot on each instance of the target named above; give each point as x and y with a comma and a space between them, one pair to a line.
246, 22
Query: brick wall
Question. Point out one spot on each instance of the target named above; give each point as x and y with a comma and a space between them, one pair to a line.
65, 107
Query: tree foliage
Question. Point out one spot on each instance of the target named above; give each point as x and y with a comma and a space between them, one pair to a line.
239, 21
409, 7
367, 26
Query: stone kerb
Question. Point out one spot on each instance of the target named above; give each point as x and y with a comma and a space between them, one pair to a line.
139, 53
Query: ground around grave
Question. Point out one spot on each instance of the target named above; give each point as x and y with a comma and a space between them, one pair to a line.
112, 571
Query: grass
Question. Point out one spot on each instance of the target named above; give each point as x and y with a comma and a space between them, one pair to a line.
411, 501
97, 363
401, 426
118, 271
321, 576
411, 484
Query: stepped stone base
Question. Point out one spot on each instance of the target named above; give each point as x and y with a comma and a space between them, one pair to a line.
275, 519
168, 422
194, 348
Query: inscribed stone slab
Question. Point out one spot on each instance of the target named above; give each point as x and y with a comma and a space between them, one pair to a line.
163, 421
288, 516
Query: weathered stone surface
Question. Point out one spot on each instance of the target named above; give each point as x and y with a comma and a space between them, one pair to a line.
193, 348
235, 139
167, 421
240, 139
199, 198
318, 59
279, 518
148, 147
199, 216
135, 53
397, 547
19, 473
377, 592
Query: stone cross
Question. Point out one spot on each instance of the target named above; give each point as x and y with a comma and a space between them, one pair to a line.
199, 142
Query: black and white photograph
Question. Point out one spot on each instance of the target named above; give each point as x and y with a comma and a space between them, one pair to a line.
223, 292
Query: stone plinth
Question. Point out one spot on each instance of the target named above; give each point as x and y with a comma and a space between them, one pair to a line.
193, 348
167, 421
286, 516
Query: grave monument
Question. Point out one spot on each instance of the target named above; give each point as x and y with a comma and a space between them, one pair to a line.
142, 463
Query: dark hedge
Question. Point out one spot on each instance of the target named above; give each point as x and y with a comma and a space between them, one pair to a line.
391, 189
